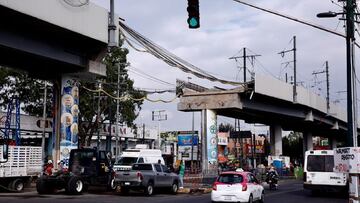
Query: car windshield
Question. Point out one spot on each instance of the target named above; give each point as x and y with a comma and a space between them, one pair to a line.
126, 161
320, 163
230, 178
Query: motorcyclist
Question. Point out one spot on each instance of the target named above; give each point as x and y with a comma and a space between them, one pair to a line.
272, 176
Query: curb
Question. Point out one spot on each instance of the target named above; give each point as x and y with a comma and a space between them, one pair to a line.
194, 191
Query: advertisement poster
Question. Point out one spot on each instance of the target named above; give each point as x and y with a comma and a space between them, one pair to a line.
185, 139
69, 118
347, 160
223, 138
211, 138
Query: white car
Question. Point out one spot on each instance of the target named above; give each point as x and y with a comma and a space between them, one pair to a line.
235, 186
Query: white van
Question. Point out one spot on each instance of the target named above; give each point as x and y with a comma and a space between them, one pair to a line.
319, 172
132, 156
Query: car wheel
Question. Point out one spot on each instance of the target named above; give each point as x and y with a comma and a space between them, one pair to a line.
149, 190
251, 199
262, 198
17, 185
75, 186
174, 188
112, 185
42, 187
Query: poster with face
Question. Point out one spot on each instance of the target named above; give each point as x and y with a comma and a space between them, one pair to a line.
212, 142
69, 117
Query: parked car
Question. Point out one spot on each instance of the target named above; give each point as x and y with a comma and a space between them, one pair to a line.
146, 177
237, 187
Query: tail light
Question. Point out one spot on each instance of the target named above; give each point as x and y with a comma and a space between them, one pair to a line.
140, 176
215, 186
244, 187
304, 176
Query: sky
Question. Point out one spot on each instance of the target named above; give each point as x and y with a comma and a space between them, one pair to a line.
226, 27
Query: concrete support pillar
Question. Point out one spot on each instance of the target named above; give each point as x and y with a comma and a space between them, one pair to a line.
203, 142
67, 123
308, 141
276, 140
209, 139
333, 142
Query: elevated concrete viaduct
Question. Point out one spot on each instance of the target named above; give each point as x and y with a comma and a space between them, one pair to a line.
58, 41
269, 101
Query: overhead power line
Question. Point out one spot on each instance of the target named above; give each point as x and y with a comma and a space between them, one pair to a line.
168, 57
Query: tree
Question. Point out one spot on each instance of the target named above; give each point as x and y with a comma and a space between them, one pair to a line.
226, 127
129, 108
30, 93
293, 145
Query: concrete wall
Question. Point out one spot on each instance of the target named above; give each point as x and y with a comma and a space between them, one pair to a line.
89, 20
273, 87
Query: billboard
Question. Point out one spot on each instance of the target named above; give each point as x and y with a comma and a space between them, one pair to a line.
223, 138
185, 139
347, 160
69, 118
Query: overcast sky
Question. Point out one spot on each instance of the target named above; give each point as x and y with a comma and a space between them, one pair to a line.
226, 28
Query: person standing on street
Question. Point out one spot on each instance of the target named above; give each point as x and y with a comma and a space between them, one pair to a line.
181, 174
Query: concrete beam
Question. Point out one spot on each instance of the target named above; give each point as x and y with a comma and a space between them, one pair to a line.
213, 101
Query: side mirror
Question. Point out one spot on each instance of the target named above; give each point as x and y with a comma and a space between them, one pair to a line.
5, 151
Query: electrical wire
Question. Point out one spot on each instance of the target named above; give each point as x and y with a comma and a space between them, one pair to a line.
168, 57
129, 97
150, 76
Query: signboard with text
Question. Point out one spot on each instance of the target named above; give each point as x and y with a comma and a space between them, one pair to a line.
347, 160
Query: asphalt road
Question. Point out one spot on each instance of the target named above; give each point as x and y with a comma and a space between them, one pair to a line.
289, 191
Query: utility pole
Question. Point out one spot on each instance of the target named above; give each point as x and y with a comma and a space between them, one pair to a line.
143, 134
192, 141
98, 119
112, 26
44, 122
327, 87
117, 116
244, 57
282, 53
326, 71
352, 135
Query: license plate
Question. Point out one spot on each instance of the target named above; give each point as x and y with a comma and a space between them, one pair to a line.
227, 198
127, 183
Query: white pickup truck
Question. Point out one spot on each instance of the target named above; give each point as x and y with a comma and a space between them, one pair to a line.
23, 164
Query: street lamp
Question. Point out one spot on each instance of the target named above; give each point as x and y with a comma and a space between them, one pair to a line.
352, 137
329, 14
351, 94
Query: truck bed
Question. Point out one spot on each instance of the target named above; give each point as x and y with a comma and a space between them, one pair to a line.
22, 161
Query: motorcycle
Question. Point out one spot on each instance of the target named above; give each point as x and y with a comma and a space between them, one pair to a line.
272, 179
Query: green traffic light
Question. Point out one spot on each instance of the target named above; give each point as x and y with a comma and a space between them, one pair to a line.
193, 22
